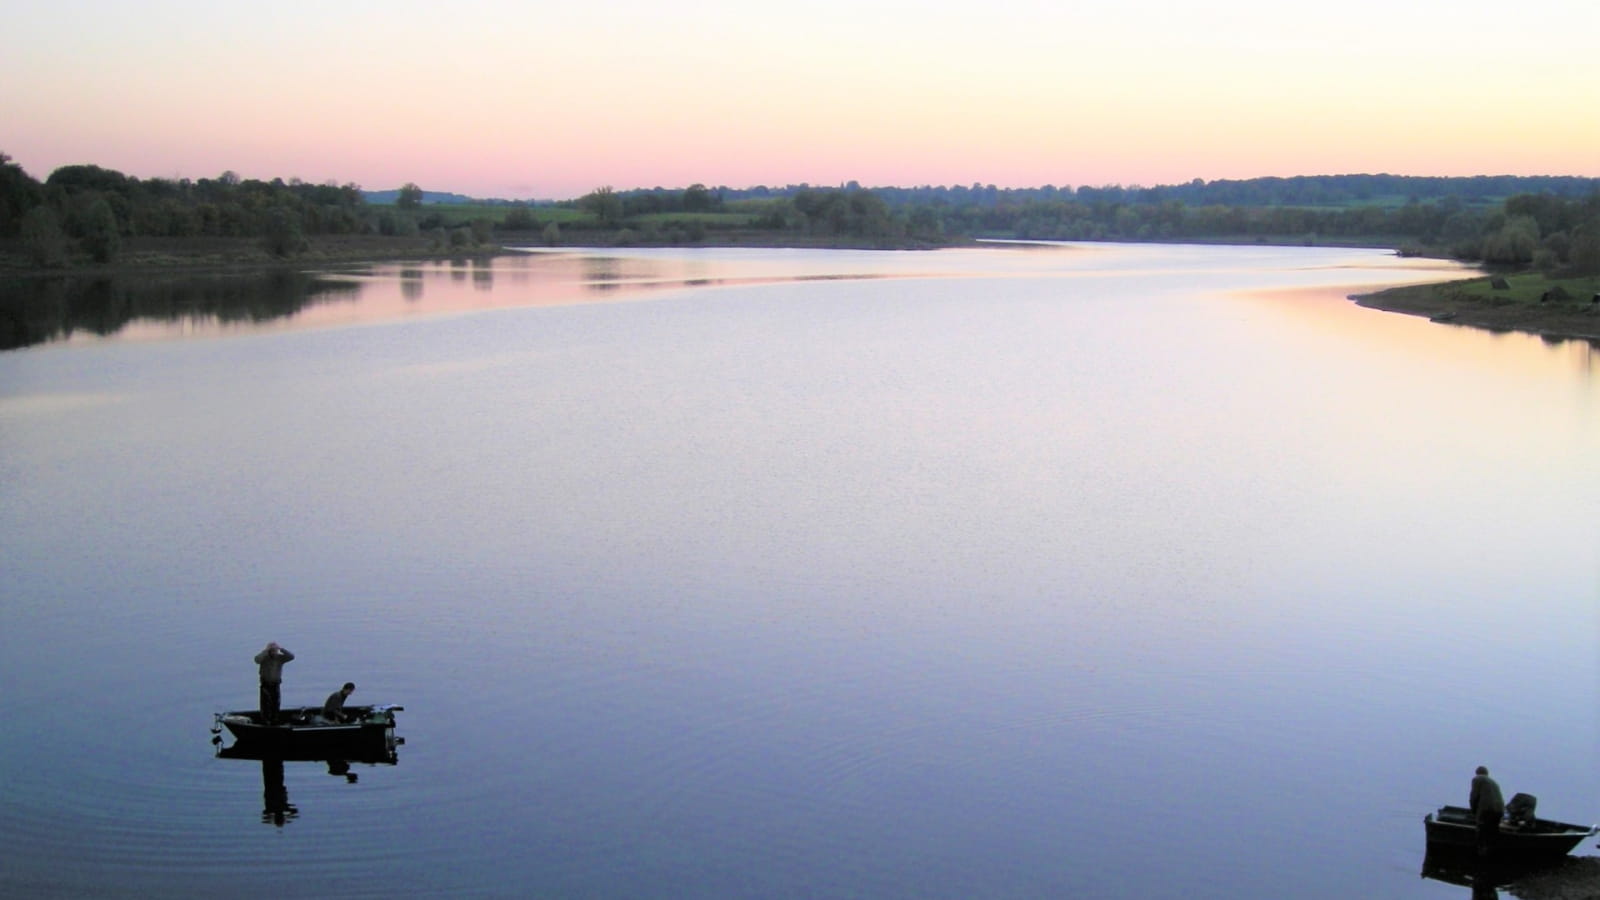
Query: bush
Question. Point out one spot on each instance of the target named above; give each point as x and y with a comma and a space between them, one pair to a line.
1514, 243
519, 219
283, 237
43, 239
100, 236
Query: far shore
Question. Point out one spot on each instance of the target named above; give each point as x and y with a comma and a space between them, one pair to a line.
143, 255
150, 255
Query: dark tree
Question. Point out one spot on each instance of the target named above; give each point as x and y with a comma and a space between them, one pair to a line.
18, 194
605, 204
518, 219
410, 196
43, 239
698, 199
99, 234
283, 237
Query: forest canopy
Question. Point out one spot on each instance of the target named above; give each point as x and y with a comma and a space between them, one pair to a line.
85, 211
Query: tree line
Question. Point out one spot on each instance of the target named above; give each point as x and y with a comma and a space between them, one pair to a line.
88, 211
1552, 222
95, 208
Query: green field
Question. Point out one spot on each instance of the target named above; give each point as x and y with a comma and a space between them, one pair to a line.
708, 219
452, 214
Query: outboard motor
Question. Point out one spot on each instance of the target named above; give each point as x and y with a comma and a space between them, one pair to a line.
1519, 812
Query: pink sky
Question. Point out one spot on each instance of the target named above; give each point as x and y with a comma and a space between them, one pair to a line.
513, 100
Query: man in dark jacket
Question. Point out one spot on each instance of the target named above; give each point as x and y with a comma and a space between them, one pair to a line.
271, 661
1488, 807
333, 707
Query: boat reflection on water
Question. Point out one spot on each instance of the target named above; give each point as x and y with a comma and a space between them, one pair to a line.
275, 806
1486, 877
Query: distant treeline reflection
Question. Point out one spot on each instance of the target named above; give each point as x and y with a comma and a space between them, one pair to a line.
36, 310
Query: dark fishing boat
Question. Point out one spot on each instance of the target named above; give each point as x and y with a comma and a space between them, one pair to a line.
303, 733
1522, 838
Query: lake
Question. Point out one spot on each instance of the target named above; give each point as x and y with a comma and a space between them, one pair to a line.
1009, 571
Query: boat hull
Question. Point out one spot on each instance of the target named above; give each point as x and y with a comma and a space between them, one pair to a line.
1453, 830
302, 733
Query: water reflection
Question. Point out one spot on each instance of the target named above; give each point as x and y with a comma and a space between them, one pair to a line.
275, 806
40, 310
411, 284
36, 310
1485, 878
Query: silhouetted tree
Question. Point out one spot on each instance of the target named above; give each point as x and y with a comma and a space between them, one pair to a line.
283, 236
42, 237
605, 204
19, 192
518, 219
1513, 243
99, 235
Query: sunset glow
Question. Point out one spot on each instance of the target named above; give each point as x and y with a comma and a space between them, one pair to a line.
547, 101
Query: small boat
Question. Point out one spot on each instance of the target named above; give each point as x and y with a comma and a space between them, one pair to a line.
1530, 839
302, 732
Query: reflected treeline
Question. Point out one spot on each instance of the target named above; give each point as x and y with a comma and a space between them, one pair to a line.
37, 310
411, 284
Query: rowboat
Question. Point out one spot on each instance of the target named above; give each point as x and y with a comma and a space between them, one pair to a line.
302, 732
1527, 839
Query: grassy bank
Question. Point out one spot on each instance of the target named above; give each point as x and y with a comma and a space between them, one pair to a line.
217, 254
147, 254
205, 254
1531, 303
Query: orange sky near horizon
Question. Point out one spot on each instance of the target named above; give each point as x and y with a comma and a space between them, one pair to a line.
512, 100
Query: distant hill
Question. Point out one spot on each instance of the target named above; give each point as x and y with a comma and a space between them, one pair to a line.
1327, 191
1305, 191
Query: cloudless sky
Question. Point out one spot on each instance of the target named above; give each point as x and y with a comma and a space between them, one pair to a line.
551, 100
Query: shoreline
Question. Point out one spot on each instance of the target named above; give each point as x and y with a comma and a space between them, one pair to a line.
1478, 303
242, 255
175, 256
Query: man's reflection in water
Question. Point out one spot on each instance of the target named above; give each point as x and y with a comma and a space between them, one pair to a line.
1486, 878
275, 797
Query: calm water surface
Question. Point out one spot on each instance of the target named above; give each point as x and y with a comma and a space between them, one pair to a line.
1091, 571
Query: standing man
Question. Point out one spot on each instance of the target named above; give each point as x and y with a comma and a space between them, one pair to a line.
271, 661
1488, 807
